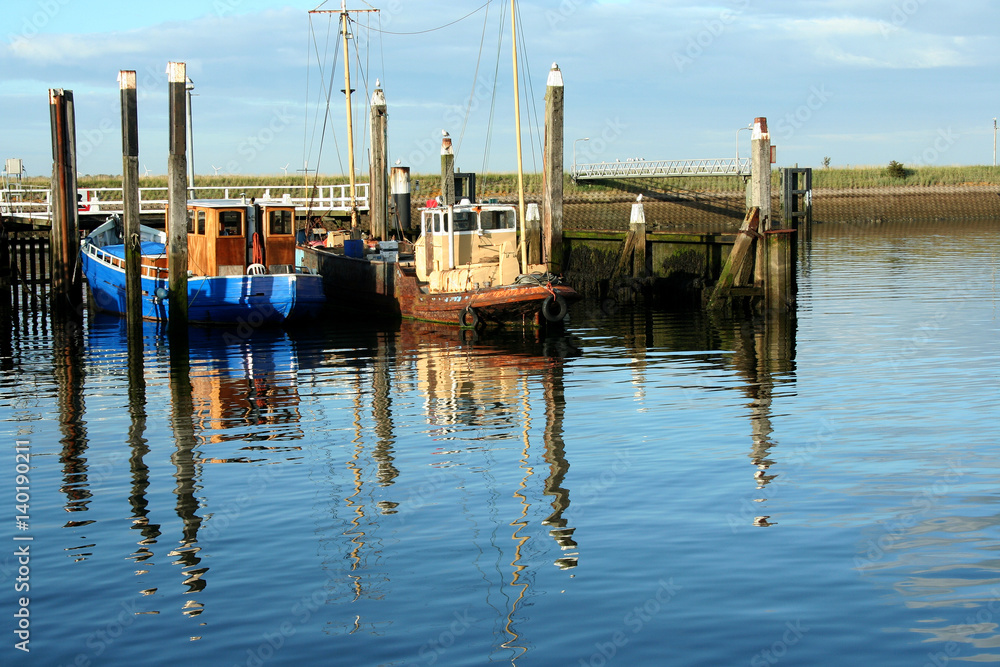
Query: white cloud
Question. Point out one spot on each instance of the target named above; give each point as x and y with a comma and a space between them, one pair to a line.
869, 43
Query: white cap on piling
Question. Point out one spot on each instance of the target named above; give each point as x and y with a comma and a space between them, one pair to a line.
176, 73
555, 76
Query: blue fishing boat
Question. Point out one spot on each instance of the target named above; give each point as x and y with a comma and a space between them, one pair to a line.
240, 266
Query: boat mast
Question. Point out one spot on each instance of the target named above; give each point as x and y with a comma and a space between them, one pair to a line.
344, 24
517, 131
350, 121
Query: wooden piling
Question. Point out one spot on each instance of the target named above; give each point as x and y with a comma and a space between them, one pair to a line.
378, 199
447, 171
533, 232
552, 177
177, 252
760, 188
781, 283
65, 244
637, 227
130, 204
400, 186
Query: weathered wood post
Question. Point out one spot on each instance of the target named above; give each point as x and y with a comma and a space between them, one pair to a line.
552, 186
533, 232
637, 227
177, 252
447, 171
378, 196
65, 243
781, 284
760, 188
130, 204
400, 178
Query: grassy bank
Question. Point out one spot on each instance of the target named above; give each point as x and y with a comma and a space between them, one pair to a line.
428, 185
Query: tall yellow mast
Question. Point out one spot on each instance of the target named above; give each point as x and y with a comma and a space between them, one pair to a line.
350, 120
517, 131
345, 31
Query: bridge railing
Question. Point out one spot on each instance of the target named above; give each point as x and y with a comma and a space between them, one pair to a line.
37, 202
663, 168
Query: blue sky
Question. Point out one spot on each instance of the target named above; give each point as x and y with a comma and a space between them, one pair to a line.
860, 81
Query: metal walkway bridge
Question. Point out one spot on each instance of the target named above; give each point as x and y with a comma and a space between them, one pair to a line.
662, 168
26, 203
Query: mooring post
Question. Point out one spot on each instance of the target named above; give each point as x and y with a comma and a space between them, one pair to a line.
552, 187
447, 171
378, 196
637, 226
760, 189
533, 231
64, 244
400, 178
780, 284
130, 205
177, 251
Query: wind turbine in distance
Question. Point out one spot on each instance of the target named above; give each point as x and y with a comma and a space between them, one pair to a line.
216, 169
146, 169
285, 169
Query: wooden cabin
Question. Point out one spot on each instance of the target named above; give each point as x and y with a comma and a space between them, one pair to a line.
478, 250
226, 237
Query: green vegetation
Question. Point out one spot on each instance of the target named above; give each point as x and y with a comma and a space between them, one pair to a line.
424, 186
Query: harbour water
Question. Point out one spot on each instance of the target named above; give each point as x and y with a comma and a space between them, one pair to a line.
650, 488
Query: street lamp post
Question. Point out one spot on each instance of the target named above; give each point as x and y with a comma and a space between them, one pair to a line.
748, 128
574, 151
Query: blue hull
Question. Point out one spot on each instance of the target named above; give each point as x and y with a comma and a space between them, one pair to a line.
249, 299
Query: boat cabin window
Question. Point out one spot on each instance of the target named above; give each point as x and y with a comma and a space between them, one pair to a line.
438, 223
230, 223
279, 222
190, 221
465, 221
497, 220
201, 222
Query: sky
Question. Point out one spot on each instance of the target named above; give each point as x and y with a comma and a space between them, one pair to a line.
861, 82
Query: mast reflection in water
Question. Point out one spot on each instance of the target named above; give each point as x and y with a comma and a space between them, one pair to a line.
425, 496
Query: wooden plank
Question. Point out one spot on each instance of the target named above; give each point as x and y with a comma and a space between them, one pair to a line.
739, 265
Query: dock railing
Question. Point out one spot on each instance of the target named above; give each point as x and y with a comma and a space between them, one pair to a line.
36, 203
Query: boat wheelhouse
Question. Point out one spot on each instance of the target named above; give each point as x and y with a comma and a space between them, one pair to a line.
240, 266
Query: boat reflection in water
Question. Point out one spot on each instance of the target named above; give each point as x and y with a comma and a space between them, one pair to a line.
223, 388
